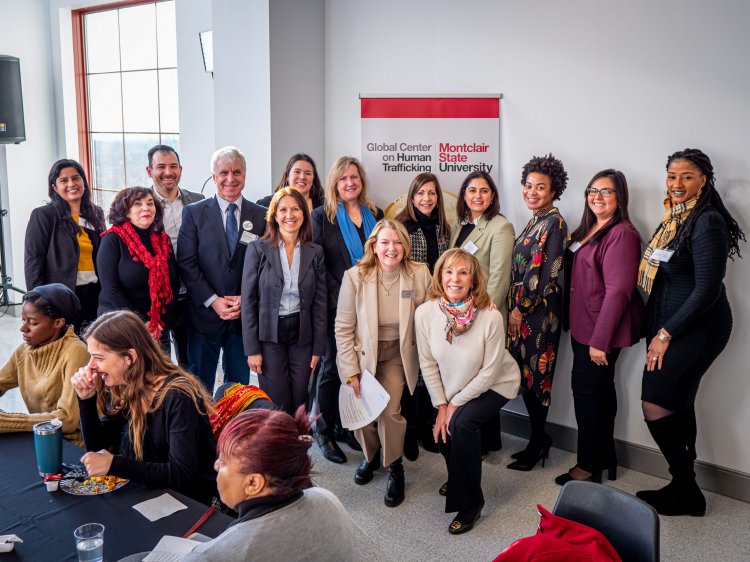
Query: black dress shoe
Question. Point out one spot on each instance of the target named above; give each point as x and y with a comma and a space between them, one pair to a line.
465, 519
345, 436
411, 445
394, 488
365, 470
330, 448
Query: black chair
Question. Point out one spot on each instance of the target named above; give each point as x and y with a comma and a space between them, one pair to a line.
631, 525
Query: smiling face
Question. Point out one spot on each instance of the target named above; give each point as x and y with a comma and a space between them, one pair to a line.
602, 206
349, 185
537, 191
143, 212
229, 177
110, 366
166, 172
456, 280
425, 199
37, 328
389, 249
478, 197
289, 216
69, 185
301, 177
684, 180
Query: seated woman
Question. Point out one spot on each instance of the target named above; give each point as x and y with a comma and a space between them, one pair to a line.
469, 373
136, 263
264, 473
155, 418
41, 367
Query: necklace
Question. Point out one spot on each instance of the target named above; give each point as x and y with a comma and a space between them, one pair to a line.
389, 287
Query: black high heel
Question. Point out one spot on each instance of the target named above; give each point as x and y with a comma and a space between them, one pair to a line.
528, 461
522, 452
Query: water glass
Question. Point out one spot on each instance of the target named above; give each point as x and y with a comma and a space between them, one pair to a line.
90, 542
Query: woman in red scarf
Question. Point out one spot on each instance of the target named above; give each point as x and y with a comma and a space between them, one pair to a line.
136, 262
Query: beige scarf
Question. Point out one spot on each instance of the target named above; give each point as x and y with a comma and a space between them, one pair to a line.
674, 216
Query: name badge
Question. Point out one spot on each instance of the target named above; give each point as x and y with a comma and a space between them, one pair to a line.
84, 223
408, 294
248, 237
662, 255
470, 247
574, 247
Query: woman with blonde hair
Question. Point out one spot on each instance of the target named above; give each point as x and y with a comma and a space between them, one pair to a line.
469, 373
341, 228
375, 332
155, 414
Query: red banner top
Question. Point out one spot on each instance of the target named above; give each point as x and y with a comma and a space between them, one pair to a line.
418, 108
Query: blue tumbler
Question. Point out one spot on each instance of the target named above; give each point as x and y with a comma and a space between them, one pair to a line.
48, 446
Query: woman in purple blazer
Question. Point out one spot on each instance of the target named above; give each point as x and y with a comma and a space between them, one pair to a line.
605, 313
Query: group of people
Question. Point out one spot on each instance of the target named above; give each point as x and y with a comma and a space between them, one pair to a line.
312, 287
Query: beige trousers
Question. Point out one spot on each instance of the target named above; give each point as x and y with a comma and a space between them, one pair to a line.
389, 429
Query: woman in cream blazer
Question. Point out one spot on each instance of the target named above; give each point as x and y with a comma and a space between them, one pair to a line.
375, 332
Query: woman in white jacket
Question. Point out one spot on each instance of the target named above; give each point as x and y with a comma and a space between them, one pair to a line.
468, 372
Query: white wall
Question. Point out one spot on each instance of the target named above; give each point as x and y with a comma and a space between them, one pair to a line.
26, 35
599, 84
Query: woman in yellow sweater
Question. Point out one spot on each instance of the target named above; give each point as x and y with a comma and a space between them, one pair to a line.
42, 366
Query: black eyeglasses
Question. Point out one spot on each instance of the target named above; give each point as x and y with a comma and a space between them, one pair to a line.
606, 192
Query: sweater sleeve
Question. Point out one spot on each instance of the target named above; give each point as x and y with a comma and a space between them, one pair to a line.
492, 364
182, 421
709, 250
620, 272
9, 373
107, 261
427, 363
99, 433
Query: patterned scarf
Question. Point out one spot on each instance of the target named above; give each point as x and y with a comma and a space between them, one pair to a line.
460, 316
674, 216
236, 399
159, 287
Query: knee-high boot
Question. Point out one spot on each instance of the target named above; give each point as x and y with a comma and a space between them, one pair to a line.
676, 441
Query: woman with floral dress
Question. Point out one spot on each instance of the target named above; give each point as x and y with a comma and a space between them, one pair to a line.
536, 297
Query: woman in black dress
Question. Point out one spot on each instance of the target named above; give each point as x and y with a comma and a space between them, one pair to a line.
688, 318
62, 239
136, 262
535, 299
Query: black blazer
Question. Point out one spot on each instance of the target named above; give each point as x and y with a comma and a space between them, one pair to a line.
204, 262
51, 251
262, 285
328, 236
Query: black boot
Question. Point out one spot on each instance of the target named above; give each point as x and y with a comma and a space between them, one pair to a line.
365, 470
394, 488
346, 436
674, 436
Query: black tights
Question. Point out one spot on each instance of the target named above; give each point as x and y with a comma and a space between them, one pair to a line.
537, 419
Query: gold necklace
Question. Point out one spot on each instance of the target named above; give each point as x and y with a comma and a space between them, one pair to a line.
388, 288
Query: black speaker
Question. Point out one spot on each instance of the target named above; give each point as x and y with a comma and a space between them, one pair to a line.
12, 129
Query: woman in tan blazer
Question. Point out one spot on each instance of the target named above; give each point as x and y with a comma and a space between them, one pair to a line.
375, 331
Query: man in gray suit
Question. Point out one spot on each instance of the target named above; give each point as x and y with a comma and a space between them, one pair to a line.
165, 171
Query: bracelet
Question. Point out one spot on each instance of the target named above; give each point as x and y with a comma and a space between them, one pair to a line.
350, 379
514, 316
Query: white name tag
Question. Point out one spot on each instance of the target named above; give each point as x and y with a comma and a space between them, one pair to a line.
471, 247
248, 237
84, 223
662, 255
574, 247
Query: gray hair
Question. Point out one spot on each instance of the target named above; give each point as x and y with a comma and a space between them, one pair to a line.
227, 153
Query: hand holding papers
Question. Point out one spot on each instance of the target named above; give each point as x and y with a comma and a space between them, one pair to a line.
358, 412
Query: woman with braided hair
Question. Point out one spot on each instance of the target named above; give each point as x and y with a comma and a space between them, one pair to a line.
688, 318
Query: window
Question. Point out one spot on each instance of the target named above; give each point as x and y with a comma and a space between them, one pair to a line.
126, 69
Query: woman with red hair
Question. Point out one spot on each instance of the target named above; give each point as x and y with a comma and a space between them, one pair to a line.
264, 474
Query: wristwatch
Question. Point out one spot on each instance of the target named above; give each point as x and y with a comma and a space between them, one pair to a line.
663, 337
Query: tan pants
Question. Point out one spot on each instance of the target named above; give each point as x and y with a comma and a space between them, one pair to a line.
389, 429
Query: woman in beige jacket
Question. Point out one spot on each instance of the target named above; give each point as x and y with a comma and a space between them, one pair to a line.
375, 332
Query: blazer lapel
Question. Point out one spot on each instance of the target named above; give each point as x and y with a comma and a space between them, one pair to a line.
274, 259
305, 260
476, 235
405, 305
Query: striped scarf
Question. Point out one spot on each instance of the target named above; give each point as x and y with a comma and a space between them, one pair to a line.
673, 218
460, 316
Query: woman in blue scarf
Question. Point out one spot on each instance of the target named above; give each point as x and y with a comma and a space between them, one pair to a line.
341, 227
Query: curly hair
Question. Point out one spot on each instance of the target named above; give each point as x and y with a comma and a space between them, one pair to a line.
551, 167
709, 198
125, 199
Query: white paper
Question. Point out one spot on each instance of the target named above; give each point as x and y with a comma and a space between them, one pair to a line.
159, 507
248, 237
358, 412
470, 247
662, 255
574, 247
171, 548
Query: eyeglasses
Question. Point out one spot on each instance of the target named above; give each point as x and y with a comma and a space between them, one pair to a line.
606, 192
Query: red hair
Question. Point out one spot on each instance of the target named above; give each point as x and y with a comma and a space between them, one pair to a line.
272, 443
